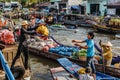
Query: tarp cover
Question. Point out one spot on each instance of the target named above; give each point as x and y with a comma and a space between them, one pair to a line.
75, 7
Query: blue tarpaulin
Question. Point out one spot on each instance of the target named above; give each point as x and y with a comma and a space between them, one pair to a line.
75, 7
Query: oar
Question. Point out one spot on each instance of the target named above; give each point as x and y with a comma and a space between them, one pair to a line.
102, 57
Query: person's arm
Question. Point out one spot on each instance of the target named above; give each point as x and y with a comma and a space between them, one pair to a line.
78, 41
84, 47
32, 28
28, 32
106, 53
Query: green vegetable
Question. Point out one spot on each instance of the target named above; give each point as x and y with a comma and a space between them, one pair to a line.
82, 52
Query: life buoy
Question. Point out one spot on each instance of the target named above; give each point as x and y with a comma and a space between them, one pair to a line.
18, 72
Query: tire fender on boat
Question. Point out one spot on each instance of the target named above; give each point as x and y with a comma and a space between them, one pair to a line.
18, 72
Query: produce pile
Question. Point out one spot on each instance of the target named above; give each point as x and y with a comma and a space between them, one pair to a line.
79, 54
64, 50
7, 37
41, 44
114, 22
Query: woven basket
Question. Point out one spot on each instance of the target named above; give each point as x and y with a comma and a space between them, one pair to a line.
82, 58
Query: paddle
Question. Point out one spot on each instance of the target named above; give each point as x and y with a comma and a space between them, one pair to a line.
102, 56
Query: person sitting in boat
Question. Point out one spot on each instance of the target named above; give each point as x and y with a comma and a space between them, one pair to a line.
23, 43
106, 52
90, 51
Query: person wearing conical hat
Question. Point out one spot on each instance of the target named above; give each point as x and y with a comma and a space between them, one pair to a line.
106, 52
23, 43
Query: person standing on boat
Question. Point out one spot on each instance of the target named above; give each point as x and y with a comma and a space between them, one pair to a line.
106, 52
90, 51
23, 43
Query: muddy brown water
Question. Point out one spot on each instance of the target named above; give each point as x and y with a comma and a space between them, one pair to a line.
40, 66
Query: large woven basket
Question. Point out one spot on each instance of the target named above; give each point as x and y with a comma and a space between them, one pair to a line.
82, 58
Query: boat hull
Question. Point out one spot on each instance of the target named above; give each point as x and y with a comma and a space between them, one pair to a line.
106, 29
99, 67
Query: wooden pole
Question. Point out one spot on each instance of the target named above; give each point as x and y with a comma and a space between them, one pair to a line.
102, 56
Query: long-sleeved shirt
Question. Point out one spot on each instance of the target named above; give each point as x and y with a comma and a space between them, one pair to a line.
23, 33
107, 53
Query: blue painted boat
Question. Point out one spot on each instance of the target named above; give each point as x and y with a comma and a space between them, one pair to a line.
73, 68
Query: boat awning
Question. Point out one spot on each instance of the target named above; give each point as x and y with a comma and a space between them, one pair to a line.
43, 4
75, 7
114, 5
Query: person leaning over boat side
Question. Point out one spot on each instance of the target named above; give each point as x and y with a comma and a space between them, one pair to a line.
90, 51
106, 52
23, 43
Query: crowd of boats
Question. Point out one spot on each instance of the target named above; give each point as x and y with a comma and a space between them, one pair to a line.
49, 48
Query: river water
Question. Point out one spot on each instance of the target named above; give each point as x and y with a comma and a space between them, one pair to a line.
40, 66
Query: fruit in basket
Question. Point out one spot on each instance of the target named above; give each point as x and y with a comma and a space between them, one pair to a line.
42, 29
114, 22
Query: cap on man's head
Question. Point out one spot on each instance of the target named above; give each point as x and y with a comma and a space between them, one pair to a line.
24, 23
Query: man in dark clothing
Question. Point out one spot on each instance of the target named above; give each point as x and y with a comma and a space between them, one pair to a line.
23, 43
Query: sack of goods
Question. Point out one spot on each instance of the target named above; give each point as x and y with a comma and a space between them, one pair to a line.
7, 37
43, 30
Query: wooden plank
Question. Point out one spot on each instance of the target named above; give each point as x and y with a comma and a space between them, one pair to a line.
59, 73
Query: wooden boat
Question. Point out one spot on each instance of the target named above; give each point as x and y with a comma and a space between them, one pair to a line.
73, 69
99, 67
63, 27
104, 27
78, 20
60, 73
107, 29
19, 72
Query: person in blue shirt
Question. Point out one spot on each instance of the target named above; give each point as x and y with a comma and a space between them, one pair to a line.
90, 51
